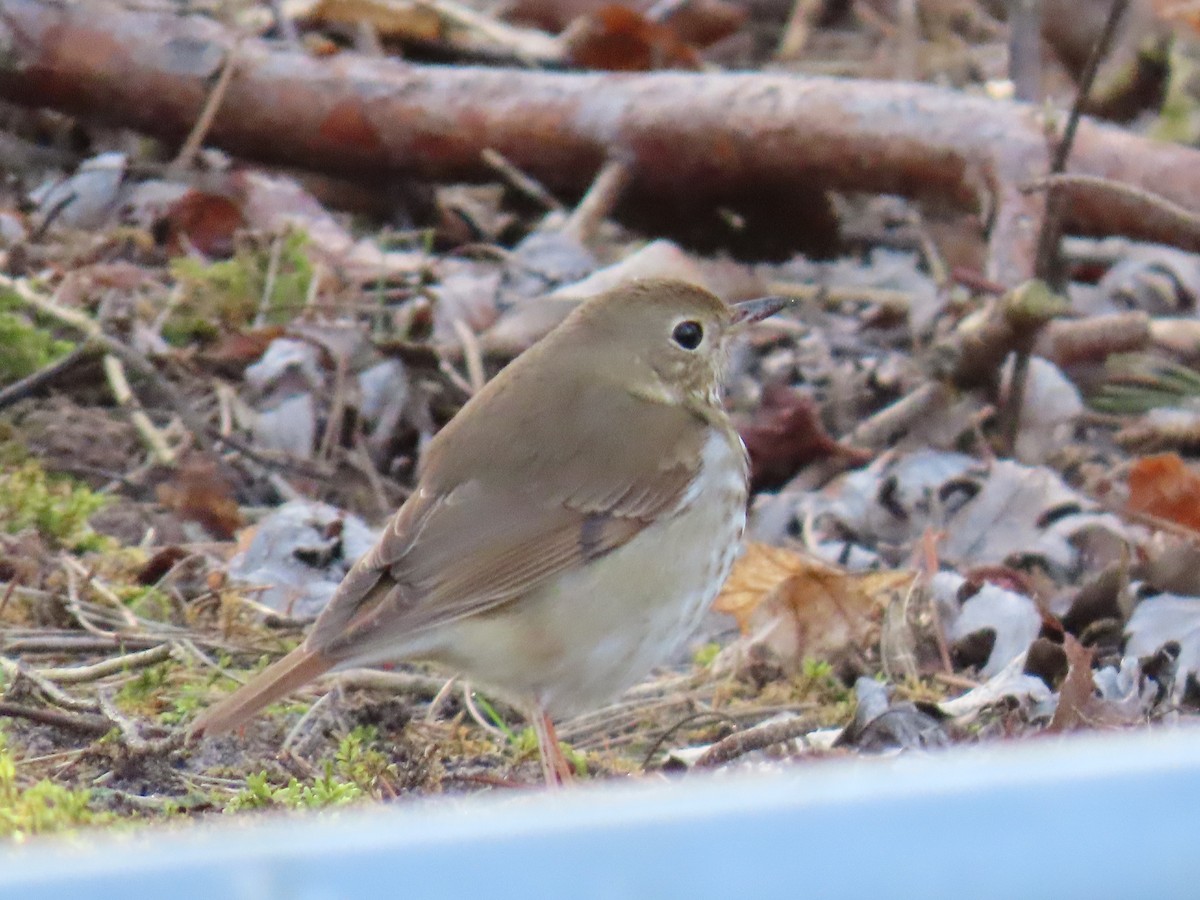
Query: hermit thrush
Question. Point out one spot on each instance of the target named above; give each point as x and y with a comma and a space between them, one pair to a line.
569, 527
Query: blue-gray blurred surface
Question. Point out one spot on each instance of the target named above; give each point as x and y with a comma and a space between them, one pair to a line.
1098, 816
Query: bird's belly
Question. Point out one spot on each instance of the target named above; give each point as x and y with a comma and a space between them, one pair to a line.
590, 633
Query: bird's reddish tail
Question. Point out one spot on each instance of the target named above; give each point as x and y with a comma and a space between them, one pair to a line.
276, 681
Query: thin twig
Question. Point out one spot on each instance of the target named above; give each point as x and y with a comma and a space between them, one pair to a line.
14, 672
112, 666
77, 721
114, 371
46, 376
398, 682
1155, 204
132, 358
337, 410
472, 355
757, 738
704, 715
891, 422
264, 302
518, 180
599, 201
294, 735
439, 698
103, 590
480, 720
1049, 265
360, 458
212, 105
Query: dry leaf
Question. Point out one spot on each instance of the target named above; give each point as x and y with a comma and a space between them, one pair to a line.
799, 607
391, 19
200, 493
1078, 704
202, 221
1164, 487
619, 39
786, 434
699, 22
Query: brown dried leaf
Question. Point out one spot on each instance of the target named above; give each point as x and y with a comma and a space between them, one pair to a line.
786, 434
1077, 702
619, 39
394, 19
799, 607
202, 221
1164, 487
699, 22
200, 493
234, 351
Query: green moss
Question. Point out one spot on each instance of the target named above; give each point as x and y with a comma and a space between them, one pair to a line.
145, 601
228, 294
359, 769
706, 654
525, 744
56, 507
24, 346
42, 807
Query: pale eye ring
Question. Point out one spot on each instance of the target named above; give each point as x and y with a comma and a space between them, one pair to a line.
688, 334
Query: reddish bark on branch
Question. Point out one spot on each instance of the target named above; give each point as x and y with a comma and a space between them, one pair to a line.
678, 132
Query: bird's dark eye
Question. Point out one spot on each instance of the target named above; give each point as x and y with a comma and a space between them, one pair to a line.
688, 335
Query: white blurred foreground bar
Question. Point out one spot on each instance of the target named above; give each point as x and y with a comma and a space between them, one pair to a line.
1114, 815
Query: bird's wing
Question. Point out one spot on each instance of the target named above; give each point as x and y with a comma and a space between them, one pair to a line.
460, 548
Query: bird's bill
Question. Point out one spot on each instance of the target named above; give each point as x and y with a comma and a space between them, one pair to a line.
756, 310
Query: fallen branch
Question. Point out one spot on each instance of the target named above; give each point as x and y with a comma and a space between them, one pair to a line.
85, 722
680, 133
115, 665
757, 737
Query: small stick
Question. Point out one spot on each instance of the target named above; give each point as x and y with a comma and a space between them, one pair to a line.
75, 643
294, 734
469, 701
85, 722
264, 302
135, 360
407, 682
14, 671
132, 740
758, 737
518, 180
439, 698
472, 355
212, 105
360, 457
1049, 265
599, 201
337, 410
114, 371
1181, 218
894, 420
45, 376
114, 665
455, 377
955, 681
103, 590
797, 30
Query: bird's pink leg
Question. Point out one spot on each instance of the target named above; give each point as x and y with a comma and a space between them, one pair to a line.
555, 768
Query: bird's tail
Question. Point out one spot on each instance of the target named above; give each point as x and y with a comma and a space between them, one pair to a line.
277, 680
